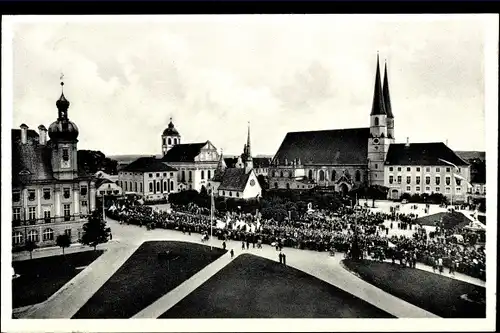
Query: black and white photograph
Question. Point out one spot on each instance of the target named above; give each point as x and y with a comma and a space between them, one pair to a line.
249, 172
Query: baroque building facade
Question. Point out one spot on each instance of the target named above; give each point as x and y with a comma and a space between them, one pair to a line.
51, 195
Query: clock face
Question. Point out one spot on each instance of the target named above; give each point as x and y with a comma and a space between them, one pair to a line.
375, 141
252, 182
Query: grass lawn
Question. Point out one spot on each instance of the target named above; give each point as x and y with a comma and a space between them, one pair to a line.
40, 278
143, 278
255, 287
438, 294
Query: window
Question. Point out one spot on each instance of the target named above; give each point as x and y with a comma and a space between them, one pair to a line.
447, 190
408, 179
281, 174
223, 192
358, 176
459, 170
427, 188
376, 166
157, 186
427, 180
65, 154
46, 216
31, 195
84, 202
33, 236
150, 175
116, 192
391, 179
16, 196
438, 180
140, 185
16, 214
458, 181
46, 194
135, 187
48, 234
165, 186
447, 169
183, 174
83, 190
458, 190
418, 169
208, 174
427, 169
175, 141
391, 168
287, 186
171, 174
408, 188
157, 174
67, 212
334, 174
103, 192
438, 169
17, 238
190, 176
169, 141
321, 175
399, 179
438, 189
399, 168
66, 194
32, 213
376, 121
109, 192
275, 185
230, 193
408, 169
202, 174
448, 180
164, 174
417, 188
418, 180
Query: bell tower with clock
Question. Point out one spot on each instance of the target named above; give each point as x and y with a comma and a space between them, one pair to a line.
378, 141
64, 138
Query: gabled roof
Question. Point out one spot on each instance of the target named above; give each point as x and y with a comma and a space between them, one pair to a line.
148, 164
343, 146
428, 153
31, 158
184, 152
472, 155
234, 179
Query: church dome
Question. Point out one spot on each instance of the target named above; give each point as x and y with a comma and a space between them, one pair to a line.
63, 129
170, 130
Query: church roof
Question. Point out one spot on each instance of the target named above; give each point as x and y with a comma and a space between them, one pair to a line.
234, 179
31, 158
428, 153
148, 164
184, 152
387, 95
378, 106
342, 146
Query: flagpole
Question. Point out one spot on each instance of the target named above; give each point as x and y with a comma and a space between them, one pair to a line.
211, 216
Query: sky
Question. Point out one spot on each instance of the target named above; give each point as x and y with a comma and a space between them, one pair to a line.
282, 73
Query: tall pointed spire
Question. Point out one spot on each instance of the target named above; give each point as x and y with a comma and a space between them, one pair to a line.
248, 151
378, 106
387, 97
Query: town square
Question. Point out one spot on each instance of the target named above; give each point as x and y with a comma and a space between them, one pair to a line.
272, 167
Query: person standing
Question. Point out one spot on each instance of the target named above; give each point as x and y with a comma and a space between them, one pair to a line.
440, 265
224, 245
284, 259
281, 258
242, 245
232, 254
248, 243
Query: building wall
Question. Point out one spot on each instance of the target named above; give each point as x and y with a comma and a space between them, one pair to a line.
128, 181
459, 192
109, 189
196, 181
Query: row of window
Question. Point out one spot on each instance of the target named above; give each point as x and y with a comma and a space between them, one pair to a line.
437, 189
158, 174
231, 194
46, 193
33, 236
161, 187
170, 141
288, 186
322, 175
437, 180
127, 186
16, 212
427, 169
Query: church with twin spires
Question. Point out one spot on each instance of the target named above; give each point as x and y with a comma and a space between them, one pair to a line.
345, 159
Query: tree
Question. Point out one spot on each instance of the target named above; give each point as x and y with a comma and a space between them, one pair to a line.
63, 241
263, 182
92, 161
95, 231
30, 246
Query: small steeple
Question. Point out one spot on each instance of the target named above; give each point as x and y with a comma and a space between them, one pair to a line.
378, 107
248, 151
387, 97
62, 104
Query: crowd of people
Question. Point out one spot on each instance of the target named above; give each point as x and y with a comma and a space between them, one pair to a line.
325, 231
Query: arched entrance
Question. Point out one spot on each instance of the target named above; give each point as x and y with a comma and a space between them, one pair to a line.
394, 194
343, 188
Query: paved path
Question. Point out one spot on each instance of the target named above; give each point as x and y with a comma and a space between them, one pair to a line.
72, 296
126, 238
156, 309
